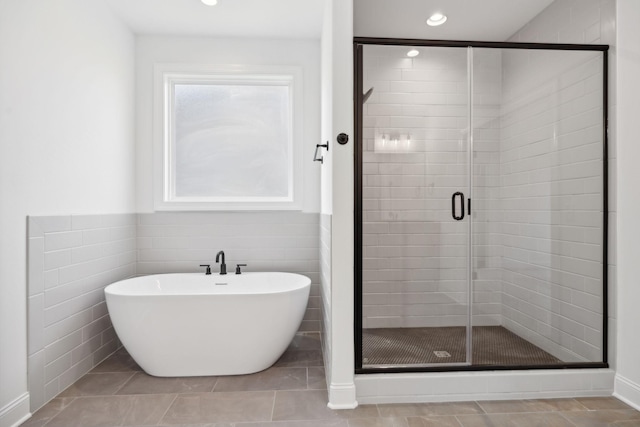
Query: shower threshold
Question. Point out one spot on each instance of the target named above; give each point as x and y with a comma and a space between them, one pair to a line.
426, 347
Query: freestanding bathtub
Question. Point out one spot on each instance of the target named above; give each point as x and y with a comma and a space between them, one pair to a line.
195, 324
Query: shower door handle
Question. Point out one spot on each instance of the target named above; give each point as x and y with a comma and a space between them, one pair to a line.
453, 206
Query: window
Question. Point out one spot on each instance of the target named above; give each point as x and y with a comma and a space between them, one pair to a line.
227, 138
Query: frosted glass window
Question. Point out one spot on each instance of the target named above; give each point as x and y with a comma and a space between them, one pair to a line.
228, 137
231, 142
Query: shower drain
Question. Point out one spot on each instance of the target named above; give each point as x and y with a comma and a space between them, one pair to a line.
442, 354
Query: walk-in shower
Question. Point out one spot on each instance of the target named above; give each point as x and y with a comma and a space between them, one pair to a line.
481, 200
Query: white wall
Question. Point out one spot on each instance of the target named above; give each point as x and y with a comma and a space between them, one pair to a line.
212, 51
341, 386
66, 126
326, 180
628, 110
336, 220
326, 105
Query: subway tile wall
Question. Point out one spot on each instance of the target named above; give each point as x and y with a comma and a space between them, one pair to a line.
175, 242
414, 160
325, 289
551, 162
71, 259
487, 215
555, 300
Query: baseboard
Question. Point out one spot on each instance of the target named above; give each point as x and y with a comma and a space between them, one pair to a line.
15, 412
342, 396
627, 391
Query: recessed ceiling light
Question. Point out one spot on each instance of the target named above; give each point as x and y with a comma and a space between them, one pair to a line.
436, 19
412, 53
210, 2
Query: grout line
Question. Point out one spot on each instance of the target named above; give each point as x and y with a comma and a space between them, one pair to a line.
580, 403
568, 420
273, 407
484, 411
133, 374
73, 399
530, 412
378, 413
175, 397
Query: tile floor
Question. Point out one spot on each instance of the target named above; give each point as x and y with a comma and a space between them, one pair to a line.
492, 345
292, 393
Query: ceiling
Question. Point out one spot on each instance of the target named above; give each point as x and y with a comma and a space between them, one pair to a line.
485, 20
229, 18
468, 19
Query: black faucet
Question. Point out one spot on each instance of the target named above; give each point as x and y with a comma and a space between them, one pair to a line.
223, 266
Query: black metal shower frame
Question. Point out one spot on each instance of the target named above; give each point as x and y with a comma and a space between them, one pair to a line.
358, 43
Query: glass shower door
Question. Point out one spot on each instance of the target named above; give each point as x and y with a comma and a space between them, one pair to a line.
539, 200
415, 219
483, 204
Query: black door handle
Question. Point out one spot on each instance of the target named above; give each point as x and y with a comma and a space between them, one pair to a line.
453, 206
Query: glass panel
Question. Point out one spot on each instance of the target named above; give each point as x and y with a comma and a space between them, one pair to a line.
538, 203
232, 142
415, 254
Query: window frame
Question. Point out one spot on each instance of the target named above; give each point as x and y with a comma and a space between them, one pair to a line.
166, 76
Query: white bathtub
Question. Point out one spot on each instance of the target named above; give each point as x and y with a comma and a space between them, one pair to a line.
194, 324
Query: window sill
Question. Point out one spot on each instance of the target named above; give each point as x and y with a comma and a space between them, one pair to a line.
227, 206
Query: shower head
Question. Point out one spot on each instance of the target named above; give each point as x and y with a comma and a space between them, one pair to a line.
367, 95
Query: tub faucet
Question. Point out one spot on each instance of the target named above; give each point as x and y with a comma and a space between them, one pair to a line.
223, 266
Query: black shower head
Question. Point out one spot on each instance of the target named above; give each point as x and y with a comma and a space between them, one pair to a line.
367, 95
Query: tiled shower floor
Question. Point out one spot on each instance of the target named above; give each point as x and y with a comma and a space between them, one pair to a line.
292, 393
492, 345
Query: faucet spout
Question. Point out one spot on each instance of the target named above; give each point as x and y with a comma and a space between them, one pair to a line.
223, 266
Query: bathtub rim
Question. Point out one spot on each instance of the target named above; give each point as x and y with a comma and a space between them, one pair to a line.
305, 282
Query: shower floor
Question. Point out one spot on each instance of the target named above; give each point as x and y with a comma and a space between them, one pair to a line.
492, 345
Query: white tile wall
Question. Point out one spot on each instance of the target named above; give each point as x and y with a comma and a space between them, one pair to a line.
552, 173
414, 262
266, 241
486, 203
71, 259
325, 288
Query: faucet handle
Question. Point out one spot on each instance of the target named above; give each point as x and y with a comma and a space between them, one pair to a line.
238, 268
208, 272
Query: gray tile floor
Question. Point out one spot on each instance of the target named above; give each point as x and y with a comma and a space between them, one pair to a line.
292, 393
